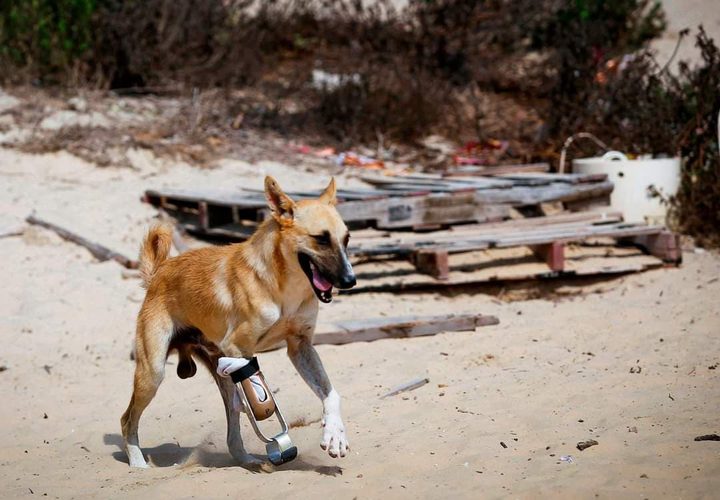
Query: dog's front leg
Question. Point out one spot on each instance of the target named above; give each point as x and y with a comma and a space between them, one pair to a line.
307, 362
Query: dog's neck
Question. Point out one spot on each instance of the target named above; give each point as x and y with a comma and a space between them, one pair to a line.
264, 252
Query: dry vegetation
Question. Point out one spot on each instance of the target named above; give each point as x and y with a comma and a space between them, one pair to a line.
344, 73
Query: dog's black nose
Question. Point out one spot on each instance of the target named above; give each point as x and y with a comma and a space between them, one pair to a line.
347, 281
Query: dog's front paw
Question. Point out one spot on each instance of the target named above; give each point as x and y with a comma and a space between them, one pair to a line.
334, 439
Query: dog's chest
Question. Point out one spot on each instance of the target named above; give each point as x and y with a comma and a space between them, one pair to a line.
291, 318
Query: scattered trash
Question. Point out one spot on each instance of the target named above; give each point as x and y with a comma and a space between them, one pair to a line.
309, 150
481, 153
322, 80
708, 437
351, 159
408, 386
567, 459
633, 429
503, 444
583, 445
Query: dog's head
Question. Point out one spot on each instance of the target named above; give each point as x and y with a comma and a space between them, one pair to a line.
315, 233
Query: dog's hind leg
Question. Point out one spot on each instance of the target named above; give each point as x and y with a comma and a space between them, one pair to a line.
152, 343
209, 356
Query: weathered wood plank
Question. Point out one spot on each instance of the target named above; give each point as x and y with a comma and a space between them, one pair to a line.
554, 192
496, 169
502, 239
100, 252
401, 327
572, 178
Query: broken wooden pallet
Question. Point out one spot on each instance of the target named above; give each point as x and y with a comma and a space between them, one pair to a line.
235, 214
369, 330
502, 266
546, 236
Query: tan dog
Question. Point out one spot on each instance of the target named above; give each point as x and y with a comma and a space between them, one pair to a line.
235, 300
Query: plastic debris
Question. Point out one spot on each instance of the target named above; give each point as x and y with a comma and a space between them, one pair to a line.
481, 153
351, 159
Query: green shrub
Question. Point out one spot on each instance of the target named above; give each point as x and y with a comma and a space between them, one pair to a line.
45, 37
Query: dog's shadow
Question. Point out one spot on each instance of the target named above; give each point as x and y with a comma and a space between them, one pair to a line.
171, 454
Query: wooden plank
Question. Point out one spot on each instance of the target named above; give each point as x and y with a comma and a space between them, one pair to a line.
434, 182
502, 239
100, 252
555, 192
408, 212
458, 232
572, 178
496, 169
369, 330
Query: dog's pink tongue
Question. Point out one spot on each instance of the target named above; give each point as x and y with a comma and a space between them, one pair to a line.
319, 281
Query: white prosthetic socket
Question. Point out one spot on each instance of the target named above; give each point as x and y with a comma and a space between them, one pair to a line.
261, 402
226, 366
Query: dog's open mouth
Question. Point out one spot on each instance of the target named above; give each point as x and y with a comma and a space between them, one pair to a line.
319, 283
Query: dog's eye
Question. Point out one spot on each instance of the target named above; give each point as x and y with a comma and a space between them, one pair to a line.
323, 238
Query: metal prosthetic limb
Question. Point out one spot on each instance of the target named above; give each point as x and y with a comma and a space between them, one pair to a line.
259, 404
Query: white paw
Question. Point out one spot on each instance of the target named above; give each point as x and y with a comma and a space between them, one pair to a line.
334, 439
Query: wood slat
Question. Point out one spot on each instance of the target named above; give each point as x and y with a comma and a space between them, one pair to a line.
368, 330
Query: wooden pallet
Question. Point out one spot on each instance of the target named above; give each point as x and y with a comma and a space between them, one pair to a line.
401, 327
418, 201
545, 236
503, 266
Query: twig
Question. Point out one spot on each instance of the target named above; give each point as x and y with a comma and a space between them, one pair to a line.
9, 233
408, 386
100, 252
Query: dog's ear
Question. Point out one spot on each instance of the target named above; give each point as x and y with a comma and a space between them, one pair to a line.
328, 196
282, 206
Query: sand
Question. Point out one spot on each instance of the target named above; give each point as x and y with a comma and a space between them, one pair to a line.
631, 362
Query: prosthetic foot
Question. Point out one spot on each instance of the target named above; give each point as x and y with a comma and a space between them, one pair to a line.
259, 404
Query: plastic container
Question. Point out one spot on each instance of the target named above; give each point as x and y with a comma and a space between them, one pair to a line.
637, 183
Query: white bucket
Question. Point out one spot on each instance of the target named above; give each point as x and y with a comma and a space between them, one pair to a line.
637, 183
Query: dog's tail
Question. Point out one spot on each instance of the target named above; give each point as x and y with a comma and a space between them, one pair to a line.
154, 250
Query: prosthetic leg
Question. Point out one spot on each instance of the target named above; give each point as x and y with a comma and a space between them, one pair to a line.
259, 404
